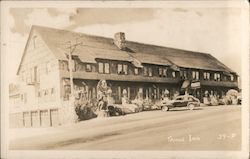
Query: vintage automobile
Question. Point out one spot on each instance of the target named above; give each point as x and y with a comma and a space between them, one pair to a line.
181, 101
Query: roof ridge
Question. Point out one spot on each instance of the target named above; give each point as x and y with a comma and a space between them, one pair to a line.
129, 41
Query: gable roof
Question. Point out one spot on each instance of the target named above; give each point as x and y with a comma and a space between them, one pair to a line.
94, 47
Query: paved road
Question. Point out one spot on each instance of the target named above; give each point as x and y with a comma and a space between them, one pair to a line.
208, 128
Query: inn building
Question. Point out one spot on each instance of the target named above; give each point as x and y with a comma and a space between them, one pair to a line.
44, 86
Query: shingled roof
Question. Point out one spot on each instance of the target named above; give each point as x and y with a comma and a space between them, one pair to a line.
94, 47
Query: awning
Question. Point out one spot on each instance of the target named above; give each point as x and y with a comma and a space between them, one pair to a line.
185, 84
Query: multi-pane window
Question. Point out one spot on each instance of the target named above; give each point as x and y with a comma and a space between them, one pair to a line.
195, 75
147, 71
103, 67
183, 74
122, 69
217, 77
206, 76
162, 71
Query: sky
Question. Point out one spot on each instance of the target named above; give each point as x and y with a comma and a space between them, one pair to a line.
210, 30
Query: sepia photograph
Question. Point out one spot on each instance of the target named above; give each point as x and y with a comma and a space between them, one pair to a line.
125, 79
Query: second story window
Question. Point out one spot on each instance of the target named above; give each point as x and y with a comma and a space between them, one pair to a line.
136, 71
217, 77
183, 74
88, 68
150, 72
106, 68
160, 72
122, 69
173, 74
206, 76
103, 67
232, 77
100, 67
195, 75
164, 72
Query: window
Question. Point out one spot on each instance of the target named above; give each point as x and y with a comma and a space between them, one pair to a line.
150, 73
217, 77
125, 69
183, 74
136, 70
119, 68
195, 75
160, 71
100, 67
232, 77
122, 69
88, 68
106, 67
145, 71
103, 67
173, 74
206, 76
164, 72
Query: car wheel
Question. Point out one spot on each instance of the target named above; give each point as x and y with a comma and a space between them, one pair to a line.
165, 108
191, 106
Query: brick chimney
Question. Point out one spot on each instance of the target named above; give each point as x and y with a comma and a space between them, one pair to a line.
119, 40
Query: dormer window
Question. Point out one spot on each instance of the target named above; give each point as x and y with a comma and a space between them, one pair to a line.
122, 69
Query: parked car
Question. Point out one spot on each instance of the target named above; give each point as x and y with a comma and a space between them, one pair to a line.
114, 110
181, 101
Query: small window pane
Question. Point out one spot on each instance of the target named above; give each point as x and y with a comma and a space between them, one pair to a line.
119, 68
173, 74
100, 67
197, 75
160, 71
106, 67
88, 67
164, 72
208, 75
125, 69
150, 72
136, 71
193, 74
205, 75
145, 71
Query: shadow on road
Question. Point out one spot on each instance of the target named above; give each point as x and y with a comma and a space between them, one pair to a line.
181, 109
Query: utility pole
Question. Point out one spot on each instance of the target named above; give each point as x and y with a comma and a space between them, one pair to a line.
72, 48
72, 117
